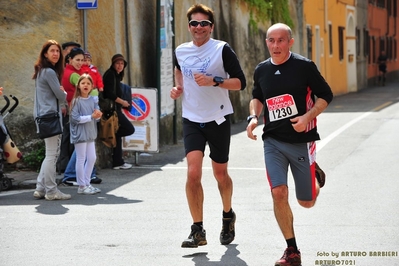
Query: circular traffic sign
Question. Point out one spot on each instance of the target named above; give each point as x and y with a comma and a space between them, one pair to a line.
140, 107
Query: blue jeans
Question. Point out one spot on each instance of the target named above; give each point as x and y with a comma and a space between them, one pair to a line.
70, 170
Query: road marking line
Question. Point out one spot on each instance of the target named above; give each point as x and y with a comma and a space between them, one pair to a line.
378, 108
320, 145
333, 135
159, 167
13, 192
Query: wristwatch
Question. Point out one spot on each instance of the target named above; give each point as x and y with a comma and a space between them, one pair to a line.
217, 80
249, 118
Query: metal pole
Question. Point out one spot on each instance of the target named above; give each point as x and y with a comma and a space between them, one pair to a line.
127, 39
137, 158
158, 54
175, 102
84, 29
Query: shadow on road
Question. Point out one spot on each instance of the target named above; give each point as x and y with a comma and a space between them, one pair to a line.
230, 257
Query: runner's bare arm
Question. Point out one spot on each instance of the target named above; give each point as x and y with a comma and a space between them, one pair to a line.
300, 122
176, 91
255, 108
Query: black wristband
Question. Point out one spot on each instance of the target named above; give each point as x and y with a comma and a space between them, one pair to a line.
249, 118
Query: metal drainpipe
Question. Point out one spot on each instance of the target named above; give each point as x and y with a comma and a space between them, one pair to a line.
326, 30
84, 29
394, 25
325, 16
387, 33
127, 43
175, 103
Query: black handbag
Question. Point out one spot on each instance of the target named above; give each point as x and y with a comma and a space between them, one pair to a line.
106, 105
49, 125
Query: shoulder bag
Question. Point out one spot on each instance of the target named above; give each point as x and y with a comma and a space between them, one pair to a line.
49, 124
109, 125
106, 105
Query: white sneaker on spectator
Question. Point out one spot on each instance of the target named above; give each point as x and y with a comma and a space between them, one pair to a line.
96, 190
123, 166
86, 191
58, 195
39, 194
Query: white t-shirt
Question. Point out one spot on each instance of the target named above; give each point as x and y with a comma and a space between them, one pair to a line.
207, 103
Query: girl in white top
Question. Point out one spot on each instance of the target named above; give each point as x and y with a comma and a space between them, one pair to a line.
85, 114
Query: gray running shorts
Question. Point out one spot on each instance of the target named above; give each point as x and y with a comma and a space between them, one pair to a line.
300, 157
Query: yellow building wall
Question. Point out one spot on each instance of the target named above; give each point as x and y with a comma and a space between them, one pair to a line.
319, 15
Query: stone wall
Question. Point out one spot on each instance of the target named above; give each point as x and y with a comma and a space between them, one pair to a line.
24, 27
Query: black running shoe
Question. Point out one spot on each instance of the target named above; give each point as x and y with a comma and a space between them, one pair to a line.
95, 180
196, 238
228, 230
320, 176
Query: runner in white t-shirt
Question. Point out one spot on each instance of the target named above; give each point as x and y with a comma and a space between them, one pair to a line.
206, 69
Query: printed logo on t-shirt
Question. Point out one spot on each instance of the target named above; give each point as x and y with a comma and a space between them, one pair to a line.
281, 107
277, 72
194, 65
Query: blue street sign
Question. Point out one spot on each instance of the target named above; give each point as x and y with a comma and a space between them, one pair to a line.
86, 4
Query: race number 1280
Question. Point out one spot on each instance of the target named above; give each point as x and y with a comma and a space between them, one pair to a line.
281, 107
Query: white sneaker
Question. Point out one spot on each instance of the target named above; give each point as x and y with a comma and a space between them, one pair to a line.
96, 190
39, 194
57, 196
123, 166
86, 190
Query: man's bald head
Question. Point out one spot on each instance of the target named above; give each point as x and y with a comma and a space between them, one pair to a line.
279, 26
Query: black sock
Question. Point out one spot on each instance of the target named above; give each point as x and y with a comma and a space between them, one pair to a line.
200, 224
292, 243
228, 214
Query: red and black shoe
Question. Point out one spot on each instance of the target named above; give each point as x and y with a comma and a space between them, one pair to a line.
291, 257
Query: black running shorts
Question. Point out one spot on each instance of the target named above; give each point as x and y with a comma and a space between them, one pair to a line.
196, 135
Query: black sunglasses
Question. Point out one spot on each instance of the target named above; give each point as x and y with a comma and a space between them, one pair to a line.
203, 23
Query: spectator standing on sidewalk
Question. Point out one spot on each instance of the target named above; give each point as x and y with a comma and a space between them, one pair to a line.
65, 142
49, 95
70, 170
112, 90
287, 84
85, 115
206, 70
66, 145
69, 81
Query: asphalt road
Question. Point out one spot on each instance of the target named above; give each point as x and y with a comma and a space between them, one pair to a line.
141, 216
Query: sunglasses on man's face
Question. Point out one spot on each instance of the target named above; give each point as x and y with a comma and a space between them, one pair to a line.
203, 23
